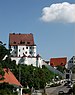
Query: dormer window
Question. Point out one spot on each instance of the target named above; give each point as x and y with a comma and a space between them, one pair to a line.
23, 42
28, 42
20, 42
14, 42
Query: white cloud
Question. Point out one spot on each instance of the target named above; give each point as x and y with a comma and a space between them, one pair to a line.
61, 12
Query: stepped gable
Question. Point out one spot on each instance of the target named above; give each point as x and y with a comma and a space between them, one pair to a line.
10, 78
21, 39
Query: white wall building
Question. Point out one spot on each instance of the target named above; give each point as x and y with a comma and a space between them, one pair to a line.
71, 62
22, 44
23, 49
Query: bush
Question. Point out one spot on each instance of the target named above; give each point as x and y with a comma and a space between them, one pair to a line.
74, 88
26, 91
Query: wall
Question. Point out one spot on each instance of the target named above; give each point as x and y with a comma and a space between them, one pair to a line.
29, 61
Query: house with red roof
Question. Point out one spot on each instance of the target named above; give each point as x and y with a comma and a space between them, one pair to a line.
22, 44
58, 61
11, 79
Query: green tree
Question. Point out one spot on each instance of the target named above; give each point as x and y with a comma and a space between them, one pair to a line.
61, 68
3, 51
6, 89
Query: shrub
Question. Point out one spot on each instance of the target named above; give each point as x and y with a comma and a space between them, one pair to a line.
26, 91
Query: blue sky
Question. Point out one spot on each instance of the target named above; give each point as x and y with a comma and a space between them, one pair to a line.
53, 38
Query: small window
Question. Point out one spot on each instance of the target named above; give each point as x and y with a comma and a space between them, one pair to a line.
14, 47
26, 47
14, 42
67, 76
26, 52
20, 42
19, 50
23, 54
51, 64
30, 47
61, 63
23, 48
23, 42
30, 52
19, 55
15, 52
28, 42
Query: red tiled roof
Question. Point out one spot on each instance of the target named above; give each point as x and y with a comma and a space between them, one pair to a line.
10, 78
58, 61
21, 39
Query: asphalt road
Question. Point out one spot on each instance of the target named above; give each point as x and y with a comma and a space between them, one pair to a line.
55, 90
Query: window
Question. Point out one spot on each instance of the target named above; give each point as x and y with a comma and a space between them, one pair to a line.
23, 42
62, 64
15, 52
26, 47
30, 52
67, 76
14, 42
51, 64
14, 47
23, 48
23, 54
19, 55
19, 50
28, 42
26, 52
20, 42
30, 47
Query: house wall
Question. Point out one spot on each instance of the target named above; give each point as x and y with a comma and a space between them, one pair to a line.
19, 51
29, 60
13, 51
71, 62
27, 50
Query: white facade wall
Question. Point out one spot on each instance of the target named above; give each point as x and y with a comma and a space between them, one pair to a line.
40, 62
29, 61
71, 62
19, 51
13, 51
25, 60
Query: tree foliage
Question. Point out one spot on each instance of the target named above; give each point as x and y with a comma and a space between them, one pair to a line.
6, 89
3, 51
28, 75
61, 68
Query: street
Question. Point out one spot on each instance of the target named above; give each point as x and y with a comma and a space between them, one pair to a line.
55, 90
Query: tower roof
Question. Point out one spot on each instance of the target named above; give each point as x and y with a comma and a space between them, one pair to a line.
21, 39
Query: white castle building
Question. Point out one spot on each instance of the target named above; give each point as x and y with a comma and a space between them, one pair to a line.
23, 49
